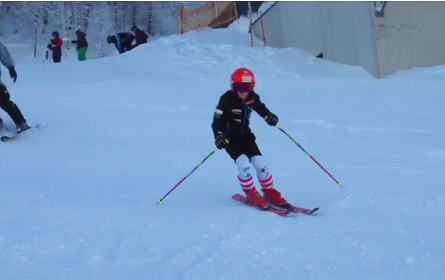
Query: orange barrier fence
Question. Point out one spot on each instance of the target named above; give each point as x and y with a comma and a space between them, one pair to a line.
211, 14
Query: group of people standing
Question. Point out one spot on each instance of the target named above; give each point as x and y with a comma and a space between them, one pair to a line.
123, 42
56, 45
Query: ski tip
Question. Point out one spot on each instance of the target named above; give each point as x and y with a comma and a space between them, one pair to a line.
6, 138
314, 210
38, 126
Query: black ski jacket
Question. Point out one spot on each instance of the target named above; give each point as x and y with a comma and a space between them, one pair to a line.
232, 114
81, 40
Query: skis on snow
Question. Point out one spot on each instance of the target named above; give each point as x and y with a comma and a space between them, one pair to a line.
6, 138
277, 210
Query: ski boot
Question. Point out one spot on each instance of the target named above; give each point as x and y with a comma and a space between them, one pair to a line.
254, 198
274, 197
21, 127
2, 125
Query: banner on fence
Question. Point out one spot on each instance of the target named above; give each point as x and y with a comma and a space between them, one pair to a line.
211, 14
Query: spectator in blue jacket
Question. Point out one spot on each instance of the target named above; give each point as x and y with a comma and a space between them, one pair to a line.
122, 41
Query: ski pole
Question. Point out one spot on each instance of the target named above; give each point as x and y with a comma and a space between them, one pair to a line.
186, 176
298, 144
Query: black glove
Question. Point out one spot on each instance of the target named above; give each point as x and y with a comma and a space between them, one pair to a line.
271, 119
221, 141
12, 73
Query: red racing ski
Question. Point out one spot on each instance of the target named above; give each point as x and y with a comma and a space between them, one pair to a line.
278, 210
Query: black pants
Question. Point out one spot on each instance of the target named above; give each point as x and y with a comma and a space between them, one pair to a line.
246, 145
57, 55
125, 47
10, 107
138, 44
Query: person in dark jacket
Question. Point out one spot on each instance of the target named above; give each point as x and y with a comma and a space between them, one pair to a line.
122, 41
232, 132
82, 44
140, 36
5, 98
56, 47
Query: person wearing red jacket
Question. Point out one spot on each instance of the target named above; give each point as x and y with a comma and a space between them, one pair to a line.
56, 47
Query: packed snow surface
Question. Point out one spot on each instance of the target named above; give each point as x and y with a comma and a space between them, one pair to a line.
78, 197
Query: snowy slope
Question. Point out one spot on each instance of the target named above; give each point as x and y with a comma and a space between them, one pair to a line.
78, 198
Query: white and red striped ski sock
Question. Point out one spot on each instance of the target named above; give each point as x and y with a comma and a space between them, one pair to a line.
246, 184
244, 176
263, 174
266, 181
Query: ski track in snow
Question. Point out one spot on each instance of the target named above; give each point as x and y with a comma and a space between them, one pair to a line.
78, 197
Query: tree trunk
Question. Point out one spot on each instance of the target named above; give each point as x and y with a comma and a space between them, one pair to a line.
150, 18
122, 18
16, 31
87, 17
45, 19
115, 14
35, 42
133, 18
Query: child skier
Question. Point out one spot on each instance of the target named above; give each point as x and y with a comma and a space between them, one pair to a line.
56, 47
232, 132
5, 102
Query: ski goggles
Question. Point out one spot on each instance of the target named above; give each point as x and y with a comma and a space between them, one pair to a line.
244, 87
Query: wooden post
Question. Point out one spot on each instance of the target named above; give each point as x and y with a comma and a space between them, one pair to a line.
262, 26
216, 14
182, 19
251, 27
197, 16
236, 11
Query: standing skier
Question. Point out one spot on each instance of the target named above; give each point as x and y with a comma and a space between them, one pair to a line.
82, 44
5, 102
232, 132
56, 47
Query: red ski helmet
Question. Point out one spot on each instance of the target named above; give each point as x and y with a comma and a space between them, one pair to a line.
242, 79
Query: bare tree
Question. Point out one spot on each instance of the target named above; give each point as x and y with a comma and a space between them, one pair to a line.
102, 21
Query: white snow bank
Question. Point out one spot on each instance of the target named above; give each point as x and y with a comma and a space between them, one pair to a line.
78, 198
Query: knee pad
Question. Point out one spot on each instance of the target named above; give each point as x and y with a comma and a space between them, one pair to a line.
261, 169
243, 166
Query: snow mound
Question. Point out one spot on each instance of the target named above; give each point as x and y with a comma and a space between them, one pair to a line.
78, 197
